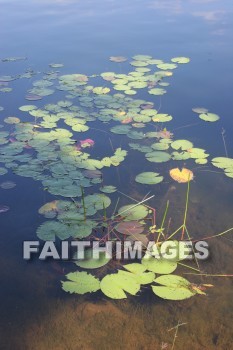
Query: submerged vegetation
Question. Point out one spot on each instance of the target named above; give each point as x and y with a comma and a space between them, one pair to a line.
48, 147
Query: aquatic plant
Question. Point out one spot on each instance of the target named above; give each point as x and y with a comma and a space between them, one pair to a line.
48, 148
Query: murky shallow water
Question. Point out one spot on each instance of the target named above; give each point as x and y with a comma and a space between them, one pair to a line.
35, 312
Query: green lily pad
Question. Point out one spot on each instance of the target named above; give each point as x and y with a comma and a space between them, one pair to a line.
161, 118
115, 286
12, 120
158, 157
89, 262
149, 178
139, 63
201, 161
160, 265
108, 189
27, 108
141, 277
181, 145
3, 171
180, 60
135, 268
121, 129
101, 90
129, 227
174, 288
209, 117
132, 212
166, 66
222, 162
142, 57
157, 91
50, 229
80, 283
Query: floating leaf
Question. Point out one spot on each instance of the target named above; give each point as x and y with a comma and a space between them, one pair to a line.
121, 129
50, 229
162, 118
200, 110
181, 176
160, 265
118, 59
33, 97
89, 262
149, 178
180, 60
209, 117
201, 161
181, 144
108, 189
141, 278
157, 156
101, 90
223, 162
142, 57
3, 171
12, 120
27, 108
129, 227
165, 66
197, 153
174, 288
115, 286
135, 268
56, 65
132, 212
49, 210
80, 283
7, 185
139, 63
157, 91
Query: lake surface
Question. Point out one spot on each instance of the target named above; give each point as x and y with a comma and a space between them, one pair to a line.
35, 313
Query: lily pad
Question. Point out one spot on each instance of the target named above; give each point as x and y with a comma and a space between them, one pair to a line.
80, 283
181, 176
166, 66
149, 178
115, 286
118, 59
161, 118
180, 60
157, 91
50, 229
89, 262
132, 212
181, 145
200, 110
209, 117
129, 227
108, 189
174, 288
7, 185
158, 157
160, 265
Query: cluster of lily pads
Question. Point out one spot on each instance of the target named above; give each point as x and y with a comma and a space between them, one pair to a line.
46, 143
115, 286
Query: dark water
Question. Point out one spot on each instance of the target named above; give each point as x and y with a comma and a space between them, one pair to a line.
35, 313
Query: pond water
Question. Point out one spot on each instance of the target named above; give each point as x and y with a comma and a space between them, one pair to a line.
35, 313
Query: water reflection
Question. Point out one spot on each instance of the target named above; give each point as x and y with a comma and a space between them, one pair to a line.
208, 10
82, 35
